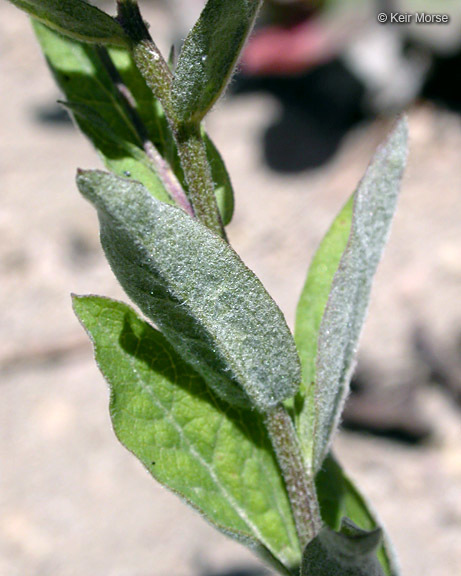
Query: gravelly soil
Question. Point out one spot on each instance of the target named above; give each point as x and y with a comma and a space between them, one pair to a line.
72, 501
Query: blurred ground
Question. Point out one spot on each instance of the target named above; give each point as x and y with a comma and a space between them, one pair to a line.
74, 502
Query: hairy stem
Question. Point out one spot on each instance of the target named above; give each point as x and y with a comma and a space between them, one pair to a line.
196, 167
301, 490
191, 148
146, 55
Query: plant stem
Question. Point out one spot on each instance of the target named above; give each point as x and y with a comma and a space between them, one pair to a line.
301, 489
191, 148
197, 170
146, 55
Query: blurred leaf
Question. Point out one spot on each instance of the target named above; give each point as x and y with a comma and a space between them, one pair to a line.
134, 164
349, 552
101, 115
216, 458
209, 306
330, 485
98, 108
209, 55
339, 498
76, 19
223, 186
309, 314
374, 206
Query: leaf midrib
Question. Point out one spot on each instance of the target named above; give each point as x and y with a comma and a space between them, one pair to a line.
200, 459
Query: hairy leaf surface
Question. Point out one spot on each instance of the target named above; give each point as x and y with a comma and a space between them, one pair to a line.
217, 458
309, 314
209, 55
211, 308
101, 114
374, 206
76, 19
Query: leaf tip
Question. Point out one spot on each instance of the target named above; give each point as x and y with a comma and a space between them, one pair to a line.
77, 301
397, 141
90, 184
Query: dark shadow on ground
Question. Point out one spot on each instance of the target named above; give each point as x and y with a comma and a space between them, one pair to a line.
238, 571
443, 364
441, 85
317, 111
320, 107
387, 413
52, 113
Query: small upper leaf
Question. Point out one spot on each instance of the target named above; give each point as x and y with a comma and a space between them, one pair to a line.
95, 102
374, 206
212, 309
209, 55
216, 458
223, 187
350, 552
339, 498
76, 19
99, 111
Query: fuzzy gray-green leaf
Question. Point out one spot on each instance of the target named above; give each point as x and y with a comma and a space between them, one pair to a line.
212, 309
309, 314
215, 457
350, 552
209, 55
374, 206
76, 19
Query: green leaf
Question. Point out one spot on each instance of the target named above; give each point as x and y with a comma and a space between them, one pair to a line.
122, 156
349, 552
98, 108
160, 133
101, 115
374, 206
339, 497
76, 19
309, 314
359, 510
216, 458
209, 55
223, 187
210, 307
330, 486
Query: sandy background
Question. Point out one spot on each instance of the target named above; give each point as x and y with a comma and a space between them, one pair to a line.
72, 500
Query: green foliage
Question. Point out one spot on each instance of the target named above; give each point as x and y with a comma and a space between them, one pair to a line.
213, 456
85, 74
316, 290
339, 498
223, 187
76, 19
309, 314
211, 308
215, 401
374, 206
349, 552
209, 55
